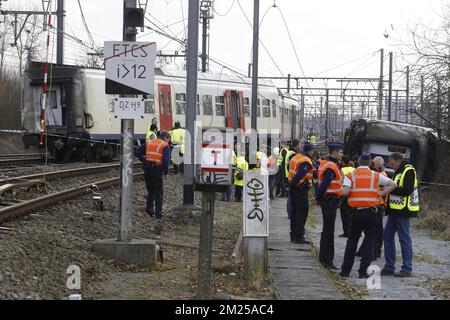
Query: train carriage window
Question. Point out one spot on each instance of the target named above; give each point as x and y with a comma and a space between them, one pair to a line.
198, 104
149, 104
207, 105
247, 107
266, 108
397, 149
168, 111
220, 105
274, 109
51, 101
180, 103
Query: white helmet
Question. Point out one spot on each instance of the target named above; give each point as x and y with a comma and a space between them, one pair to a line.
276, 151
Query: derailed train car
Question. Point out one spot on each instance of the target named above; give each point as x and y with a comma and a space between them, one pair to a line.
381, 138
80, 122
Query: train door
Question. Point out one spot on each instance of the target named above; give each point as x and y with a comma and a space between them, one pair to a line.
165, 107
53, 110
234, 109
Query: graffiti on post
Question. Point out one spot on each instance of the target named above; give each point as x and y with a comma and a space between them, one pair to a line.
256, 204
256, 193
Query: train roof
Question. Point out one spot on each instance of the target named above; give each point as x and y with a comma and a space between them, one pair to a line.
401, 127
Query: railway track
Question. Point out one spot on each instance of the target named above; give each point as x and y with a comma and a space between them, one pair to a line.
14, 159
24, 206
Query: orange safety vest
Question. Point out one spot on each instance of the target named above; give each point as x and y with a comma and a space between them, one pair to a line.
335, 186
154, 151
364, 189
294, 166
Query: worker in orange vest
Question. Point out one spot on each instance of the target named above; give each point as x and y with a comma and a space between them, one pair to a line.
300, 178
328, 197
155, 154
364, 196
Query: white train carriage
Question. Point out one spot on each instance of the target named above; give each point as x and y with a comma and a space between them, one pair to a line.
80, 113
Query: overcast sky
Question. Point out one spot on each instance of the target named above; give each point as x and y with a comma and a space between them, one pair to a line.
326, 33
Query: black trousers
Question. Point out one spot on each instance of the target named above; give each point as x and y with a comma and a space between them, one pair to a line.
345, 216
300, 202
155, 191
238, 193
281, 182
378, 245
272, 182
326, 252
363, 220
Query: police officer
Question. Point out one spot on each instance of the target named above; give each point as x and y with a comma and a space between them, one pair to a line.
300, 175
177, 135
281, 186
293, 150
328, 196
241, 167
402, 205
152, 131
155, 154
364, 197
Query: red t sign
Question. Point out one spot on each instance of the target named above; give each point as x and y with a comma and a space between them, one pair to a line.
215, 153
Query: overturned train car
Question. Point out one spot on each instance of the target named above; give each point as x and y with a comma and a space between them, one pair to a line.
381, 138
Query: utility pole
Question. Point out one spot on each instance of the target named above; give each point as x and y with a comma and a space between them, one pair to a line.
206, 13
422, 108
326, 116
407, 107
60, 33
191, 99
302, 114
396, 106
343, 114
438, 107
380, 86
390, 86
255, 63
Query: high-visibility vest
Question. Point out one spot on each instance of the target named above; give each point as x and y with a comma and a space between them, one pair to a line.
289, 155
364, 188
177, 135
154, 151
259, 157
294, 166
411, 201
335, 186
151, 135
347, 170
233, 158
280, 156
242, 166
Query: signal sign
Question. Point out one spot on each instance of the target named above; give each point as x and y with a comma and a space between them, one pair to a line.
129, 67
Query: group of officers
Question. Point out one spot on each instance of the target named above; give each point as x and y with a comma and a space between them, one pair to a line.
364, 194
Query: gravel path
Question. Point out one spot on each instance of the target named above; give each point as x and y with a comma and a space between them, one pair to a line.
431, 261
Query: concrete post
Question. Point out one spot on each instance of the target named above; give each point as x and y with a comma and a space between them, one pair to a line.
205, 245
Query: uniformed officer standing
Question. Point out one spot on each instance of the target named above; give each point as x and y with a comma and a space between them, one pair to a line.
328, 196
293, 150
364, 197
241, 167
300, 175
177, 135
403, 204
152, 131
281, 185
155, 154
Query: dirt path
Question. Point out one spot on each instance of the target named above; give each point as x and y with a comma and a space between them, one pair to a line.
431, 265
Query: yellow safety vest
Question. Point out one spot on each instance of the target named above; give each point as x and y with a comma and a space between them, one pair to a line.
280, 156
347, 170
177, 135
289, 154
242, 165
151, 135
234, 158
401, 202
313, 139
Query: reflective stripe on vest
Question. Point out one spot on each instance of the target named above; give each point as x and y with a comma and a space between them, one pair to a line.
294, 166
364, 188
335, 186
411, 201
154, 151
